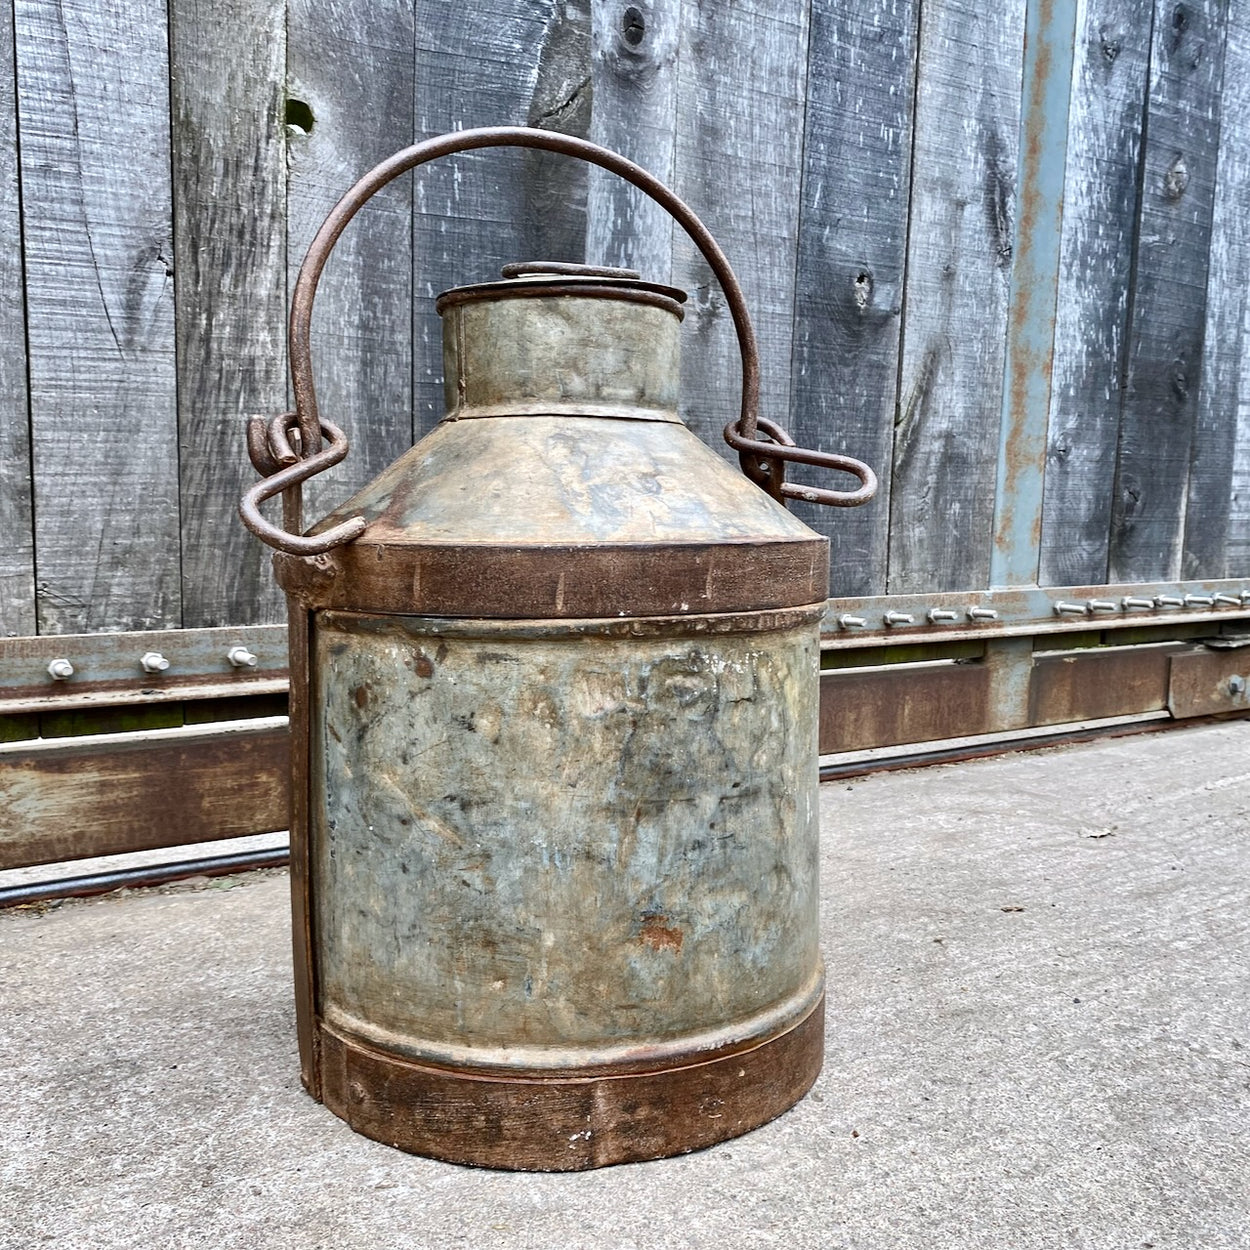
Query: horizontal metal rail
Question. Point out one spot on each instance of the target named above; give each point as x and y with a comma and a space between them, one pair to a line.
140, 877
50, 674
860, 764
71, 671
887, 620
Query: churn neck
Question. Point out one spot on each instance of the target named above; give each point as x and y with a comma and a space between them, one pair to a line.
557, 339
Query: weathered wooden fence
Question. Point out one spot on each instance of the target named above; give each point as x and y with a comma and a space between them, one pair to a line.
1009, 272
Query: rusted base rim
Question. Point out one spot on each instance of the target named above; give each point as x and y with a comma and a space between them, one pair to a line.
572, 1121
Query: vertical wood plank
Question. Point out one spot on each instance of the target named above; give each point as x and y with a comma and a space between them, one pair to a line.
229, 168
1109, 86
1167, 307
852, 245
741, 86
94, 116
1216, 509
350, 85
17, 554
475, 66
1238, 562
555, 186
960, 247
634, 80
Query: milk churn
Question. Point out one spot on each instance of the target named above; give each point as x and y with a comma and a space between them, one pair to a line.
553, 718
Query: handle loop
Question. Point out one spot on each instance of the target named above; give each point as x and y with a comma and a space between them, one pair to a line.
783, 448
270, 448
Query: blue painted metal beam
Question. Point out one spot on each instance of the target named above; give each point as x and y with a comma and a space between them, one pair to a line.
1050, 29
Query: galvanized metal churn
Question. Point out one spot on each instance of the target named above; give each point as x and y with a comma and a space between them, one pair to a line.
553, 718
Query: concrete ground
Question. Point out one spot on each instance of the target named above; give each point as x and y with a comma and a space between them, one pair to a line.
1039, 1036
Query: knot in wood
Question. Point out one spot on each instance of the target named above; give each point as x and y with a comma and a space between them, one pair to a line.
861, 288
633, 26
1176, 179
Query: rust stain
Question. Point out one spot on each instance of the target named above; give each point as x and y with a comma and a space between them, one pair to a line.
1031, 304
657, 934
425, 666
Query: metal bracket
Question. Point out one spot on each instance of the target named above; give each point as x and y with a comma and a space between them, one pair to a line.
52, 674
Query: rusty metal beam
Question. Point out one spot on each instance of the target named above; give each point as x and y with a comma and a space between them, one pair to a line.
1099, 683
70, 798
878, 707
58, 673
953, 751
1207, 682
1013, 688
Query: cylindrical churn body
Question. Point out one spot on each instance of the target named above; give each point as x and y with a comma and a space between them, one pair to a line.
554, 722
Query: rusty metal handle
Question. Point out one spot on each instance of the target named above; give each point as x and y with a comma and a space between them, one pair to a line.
269, 444
764, 467
783, 449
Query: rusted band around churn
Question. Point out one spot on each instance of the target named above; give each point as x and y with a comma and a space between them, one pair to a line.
562, 583
269, 442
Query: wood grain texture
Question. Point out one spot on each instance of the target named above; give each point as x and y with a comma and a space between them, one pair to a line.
17, 555
351, 63
1168, 298
794, 146
475, 66
634, 81
94, 116
1239, 501
852, 249
960, 246
554, 187
1109, 87
229, 168
1216, 506
741, 85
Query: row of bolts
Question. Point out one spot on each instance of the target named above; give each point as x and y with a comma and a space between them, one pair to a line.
154, 662
240, 657
947, 616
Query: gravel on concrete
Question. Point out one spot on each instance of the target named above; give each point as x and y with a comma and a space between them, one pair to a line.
1039, 1036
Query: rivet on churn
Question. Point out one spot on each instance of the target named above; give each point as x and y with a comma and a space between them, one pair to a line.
554, 736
